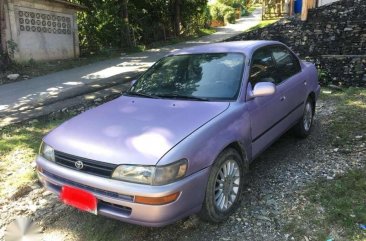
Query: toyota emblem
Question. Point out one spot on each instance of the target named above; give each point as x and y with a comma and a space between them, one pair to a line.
79, 165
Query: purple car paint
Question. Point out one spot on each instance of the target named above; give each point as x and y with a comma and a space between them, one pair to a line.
156, 132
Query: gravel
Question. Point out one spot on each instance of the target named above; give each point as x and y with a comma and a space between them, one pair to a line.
277, 179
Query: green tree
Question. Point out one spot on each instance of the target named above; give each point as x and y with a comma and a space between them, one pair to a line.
123, 23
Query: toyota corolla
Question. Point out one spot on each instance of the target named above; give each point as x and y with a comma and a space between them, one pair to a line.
180, 140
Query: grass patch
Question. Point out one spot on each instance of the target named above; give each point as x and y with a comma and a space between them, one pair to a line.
348, 125
19, 146
253, 7
344, 202
334, 209
201, 32
262, 24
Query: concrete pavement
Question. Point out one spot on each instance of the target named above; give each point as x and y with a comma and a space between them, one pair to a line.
19, 98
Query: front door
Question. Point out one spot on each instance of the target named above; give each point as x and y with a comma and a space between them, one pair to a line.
291, 81
265, 112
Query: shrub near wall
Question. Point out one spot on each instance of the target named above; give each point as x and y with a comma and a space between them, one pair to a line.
221, 14
334, 37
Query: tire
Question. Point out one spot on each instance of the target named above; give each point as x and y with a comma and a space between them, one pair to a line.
303, 128
216, 210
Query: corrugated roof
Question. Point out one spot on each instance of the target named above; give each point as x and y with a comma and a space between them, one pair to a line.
70, 4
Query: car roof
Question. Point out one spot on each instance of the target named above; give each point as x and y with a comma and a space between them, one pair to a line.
245, 47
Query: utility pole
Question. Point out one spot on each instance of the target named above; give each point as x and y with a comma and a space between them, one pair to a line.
304, 10
291, 6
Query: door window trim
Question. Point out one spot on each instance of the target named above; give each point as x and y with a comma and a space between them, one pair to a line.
294, 57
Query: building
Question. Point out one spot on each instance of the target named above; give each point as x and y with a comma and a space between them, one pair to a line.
279, 8
39, 29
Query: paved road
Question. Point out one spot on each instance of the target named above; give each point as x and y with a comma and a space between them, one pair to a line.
28, 94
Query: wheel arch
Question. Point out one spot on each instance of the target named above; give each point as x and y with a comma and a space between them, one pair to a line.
239, 148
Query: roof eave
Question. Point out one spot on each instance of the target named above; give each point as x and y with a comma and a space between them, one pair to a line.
76, 6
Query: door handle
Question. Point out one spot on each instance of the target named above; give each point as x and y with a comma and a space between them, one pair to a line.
283, 98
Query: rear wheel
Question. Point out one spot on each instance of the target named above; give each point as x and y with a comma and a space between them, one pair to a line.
303, 127
224, 188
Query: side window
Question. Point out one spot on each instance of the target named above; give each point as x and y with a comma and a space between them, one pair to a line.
287, 64
262, 67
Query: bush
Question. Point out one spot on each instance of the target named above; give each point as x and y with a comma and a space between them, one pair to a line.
216, 12
221, 12
230, 16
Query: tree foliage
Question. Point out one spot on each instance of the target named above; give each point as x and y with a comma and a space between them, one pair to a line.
122, 23
222, 12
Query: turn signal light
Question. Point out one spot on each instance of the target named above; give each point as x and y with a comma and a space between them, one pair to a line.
157, 200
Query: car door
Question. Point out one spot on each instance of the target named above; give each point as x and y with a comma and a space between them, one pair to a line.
291, 81
265, 112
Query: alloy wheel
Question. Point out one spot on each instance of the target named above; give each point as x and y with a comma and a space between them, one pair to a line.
308, 116
227, 185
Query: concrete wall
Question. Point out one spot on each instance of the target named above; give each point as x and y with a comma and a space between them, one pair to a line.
42, 30
324, 2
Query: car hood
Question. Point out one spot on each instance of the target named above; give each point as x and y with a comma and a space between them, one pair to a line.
132, 130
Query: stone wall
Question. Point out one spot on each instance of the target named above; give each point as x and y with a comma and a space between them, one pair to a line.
334, 37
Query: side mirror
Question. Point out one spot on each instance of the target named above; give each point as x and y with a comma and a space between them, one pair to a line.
263, 89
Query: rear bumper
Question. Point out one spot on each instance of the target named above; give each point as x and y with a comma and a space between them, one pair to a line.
116, 198
317, 92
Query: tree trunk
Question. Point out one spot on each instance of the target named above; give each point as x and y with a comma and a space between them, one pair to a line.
126, 36
177, 17
2, 26
3, 55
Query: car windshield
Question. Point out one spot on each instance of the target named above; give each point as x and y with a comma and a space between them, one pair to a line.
210, 76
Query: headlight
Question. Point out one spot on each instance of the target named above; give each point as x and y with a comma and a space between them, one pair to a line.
47, 152
152, 175
131, 173
170, 173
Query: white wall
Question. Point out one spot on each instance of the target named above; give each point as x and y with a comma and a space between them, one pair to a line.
42, 32
323, 2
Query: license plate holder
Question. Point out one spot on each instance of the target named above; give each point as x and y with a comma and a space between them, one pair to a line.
79, 199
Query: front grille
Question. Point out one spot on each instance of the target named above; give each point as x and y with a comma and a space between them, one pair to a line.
89, 166
85, 187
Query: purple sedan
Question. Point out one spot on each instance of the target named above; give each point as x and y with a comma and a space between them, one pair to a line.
180, 140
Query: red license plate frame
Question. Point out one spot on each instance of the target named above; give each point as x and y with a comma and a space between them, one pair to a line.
79, 199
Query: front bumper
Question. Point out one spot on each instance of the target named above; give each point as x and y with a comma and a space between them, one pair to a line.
116, 198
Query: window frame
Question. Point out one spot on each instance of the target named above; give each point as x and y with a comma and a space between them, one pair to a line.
294, 57
251, 60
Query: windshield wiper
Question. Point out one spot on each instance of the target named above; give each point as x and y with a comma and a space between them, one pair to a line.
133, 93
184, 97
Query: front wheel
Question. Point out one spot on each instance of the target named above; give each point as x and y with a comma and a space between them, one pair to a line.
224, 187
303, 127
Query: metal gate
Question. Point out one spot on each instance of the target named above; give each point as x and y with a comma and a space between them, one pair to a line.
273, 9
